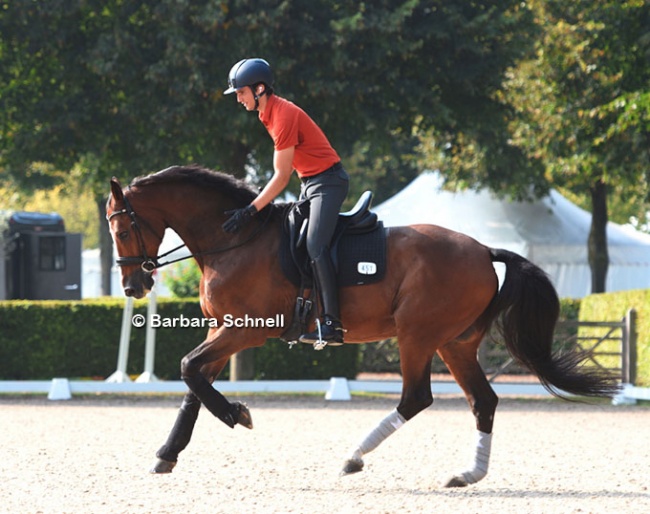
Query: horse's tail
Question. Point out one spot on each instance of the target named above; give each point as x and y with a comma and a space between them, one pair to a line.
529, 307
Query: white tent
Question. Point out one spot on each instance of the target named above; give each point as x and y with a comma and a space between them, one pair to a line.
551, 232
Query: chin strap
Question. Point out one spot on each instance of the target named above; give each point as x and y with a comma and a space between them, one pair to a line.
257, 97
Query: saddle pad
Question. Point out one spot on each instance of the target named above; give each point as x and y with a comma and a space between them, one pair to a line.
360, 259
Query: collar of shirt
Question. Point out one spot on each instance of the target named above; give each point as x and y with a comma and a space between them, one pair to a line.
265, 115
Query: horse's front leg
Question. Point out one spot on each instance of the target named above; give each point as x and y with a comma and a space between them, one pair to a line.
198, 369
179, 437
195, 371
181, 433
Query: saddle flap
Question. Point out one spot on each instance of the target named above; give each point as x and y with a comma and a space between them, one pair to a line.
356, 222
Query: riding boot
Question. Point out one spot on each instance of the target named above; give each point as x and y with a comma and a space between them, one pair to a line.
331, 330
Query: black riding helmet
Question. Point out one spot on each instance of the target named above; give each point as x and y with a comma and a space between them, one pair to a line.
249, 72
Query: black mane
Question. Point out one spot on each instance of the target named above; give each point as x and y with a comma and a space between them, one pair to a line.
238, 190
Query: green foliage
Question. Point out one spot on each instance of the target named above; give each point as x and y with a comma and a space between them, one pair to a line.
383, 357
275, 361
69, 199
134, 87
581, 107
126, 88
582, 100
613, 307
183, 279
570, 309
42, 340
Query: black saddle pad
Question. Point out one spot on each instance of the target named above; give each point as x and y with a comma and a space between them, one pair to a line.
359, 259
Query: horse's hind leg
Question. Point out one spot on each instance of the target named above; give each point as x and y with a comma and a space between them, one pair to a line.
416, 396
460, 358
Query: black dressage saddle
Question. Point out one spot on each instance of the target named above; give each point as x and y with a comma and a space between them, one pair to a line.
358, 251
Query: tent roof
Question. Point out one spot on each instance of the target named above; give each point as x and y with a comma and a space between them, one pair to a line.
552, 229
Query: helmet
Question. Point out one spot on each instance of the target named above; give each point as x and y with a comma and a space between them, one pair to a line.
249, 72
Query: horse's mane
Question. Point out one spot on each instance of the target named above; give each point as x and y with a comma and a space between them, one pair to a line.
204, 178
228, 185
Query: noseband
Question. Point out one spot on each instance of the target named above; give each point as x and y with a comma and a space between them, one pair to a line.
150, 264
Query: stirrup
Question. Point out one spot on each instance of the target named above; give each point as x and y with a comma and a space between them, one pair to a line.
333, 337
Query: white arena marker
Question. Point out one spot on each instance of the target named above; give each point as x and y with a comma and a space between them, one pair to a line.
59, 389
338, 390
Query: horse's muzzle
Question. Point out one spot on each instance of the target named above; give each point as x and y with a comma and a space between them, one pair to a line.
138, 284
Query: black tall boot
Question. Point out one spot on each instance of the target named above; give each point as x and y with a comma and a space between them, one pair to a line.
331, 330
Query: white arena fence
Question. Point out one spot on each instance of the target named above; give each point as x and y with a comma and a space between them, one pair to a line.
336, 388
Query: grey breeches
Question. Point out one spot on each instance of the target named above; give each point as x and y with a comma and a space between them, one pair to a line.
325, 193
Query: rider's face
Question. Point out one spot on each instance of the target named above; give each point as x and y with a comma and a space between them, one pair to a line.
246, 98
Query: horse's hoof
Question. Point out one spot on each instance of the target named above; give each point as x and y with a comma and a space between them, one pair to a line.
352, 466
457, 481
244, 415
162, 466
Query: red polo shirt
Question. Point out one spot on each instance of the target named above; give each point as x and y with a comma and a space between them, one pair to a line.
290, 126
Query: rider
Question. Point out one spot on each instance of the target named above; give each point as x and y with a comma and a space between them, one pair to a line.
301, 145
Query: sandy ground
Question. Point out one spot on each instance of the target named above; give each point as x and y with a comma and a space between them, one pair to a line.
92, 454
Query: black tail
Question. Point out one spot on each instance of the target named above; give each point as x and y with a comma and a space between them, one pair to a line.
529, 309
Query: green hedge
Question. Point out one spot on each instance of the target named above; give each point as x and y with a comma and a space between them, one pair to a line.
384, 357
613, 307
44, 339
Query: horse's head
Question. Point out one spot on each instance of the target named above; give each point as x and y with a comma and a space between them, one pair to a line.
136, 239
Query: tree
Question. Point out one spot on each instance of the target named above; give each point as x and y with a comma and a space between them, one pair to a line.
584, 108
474, 147
81, 88
123, 88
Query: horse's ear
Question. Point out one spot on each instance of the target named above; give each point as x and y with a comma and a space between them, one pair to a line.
116, 189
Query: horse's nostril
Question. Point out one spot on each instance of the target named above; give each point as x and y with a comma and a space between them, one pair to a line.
129, 291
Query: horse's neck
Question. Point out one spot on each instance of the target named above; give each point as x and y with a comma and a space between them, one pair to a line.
198, 218
194, 215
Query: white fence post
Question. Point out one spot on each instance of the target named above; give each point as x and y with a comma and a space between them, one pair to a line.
150, 343
120, 374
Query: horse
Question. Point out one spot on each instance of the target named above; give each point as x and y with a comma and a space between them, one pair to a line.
440, 295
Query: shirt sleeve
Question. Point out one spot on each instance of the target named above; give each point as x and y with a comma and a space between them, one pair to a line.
286, 129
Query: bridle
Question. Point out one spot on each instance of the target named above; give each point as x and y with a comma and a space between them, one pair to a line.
150, 264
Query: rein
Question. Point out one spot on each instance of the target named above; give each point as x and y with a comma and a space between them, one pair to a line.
150, 264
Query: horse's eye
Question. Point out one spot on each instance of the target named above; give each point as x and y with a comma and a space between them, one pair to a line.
123, 235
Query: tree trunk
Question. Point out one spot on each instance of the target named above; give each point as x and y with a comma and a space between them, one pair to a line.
597, 245
242, 365
105, 247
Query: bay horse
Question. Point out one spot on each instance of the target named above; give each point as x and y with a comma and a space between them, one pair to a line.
440, 295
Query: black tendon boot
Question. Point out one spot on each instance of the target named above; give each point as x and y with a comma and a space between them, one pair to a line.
331, 330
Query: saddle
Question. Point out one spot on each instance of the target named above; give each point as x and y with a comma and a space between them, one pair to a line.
358, 250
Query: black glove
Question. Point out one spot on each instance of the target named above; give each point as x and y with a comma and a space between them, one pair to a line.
238, 218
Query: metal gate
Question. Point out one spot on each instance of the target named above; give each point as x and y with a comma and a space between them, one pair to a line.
609, 345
